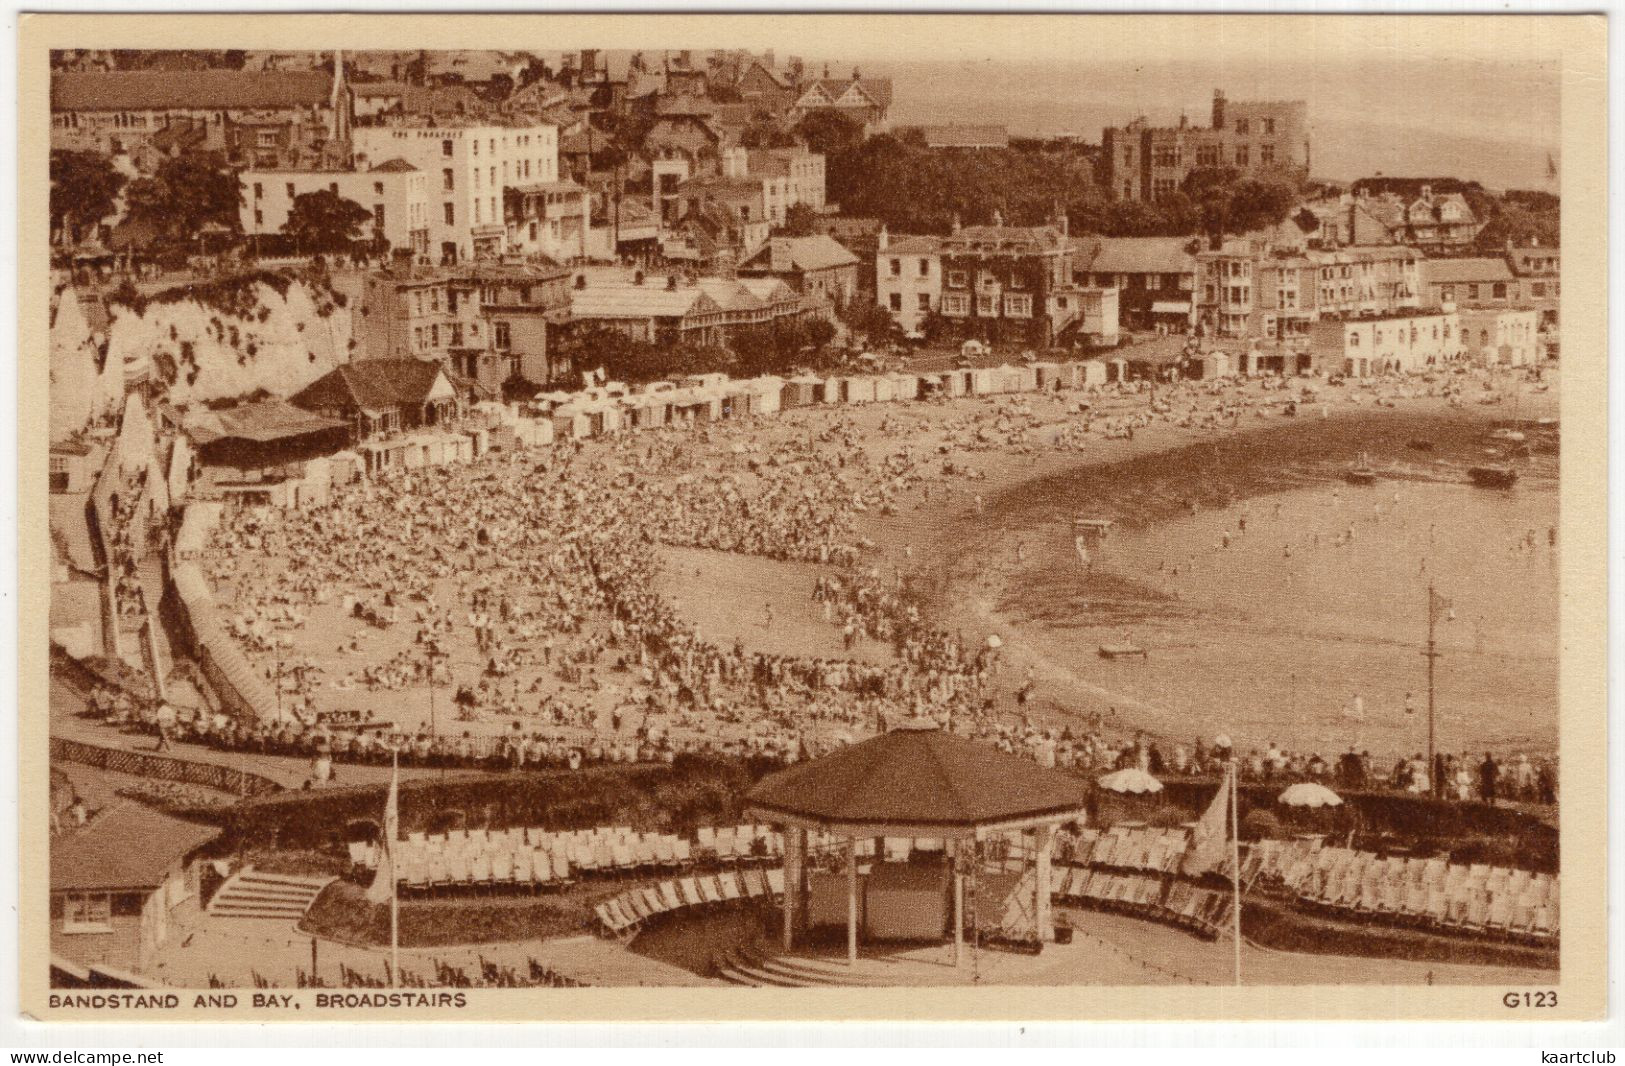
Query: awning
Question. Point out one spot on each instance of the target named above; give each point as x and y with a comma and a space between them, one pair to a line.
1171, 307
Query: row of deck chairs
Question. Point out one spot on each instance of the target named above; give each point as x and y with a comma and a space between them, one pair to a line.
1142, 895
1474, 899
1157, 850
623, 915
742, 843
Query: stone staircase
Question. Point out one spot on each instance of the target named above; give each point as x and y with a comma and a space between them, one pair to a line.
252, 894
755, 968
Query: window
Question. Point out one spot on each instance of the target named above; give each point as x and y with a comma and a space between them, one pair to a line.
896, 301
1165, 157
956, 279
1153, 282
59, 474
1266, 154
378, 188
1163, 187
1241, 153
88, 912
987, 305
923, 301
447, 180
451, 300
1269, 125
1018, 305
291, 193
266, 138
1472, 292
378, 218
1537, 288
1354, 340
1128, 190
456, 334
956, 304
503, 337
1241, 125
445, 148
986, 282
925, 268
1447, 294
1207, 155
434, 336
259, 217
451, 214
1500, 290
476, 212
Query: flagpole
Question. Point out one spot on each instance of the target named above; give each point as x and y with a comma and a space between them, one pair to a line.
394, 881
1235, 865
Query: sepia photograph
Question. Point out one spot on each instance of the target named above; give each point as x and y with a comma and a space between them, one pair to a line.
1092, 515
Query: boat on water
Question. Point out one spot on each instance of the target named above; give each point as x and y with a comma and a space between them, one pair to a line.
1496, 476
1361, 473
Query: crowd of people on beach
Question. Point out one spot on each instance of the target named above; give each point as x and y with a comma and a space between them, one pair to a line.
517, 596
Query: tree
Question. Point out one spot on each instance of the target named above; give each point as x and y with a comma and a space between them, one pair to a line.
829, 132
1226, 203
867, 319
187, 193
800, 221
765, 131
324, 221
84, 190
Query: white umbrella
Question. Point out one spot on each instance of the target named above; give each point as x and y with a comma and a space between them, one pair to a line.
995, 641
1132, 780
1308, 794
1222, 741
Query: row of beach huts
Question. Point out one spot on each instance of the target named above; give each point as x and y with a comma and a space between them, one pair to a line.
611, 408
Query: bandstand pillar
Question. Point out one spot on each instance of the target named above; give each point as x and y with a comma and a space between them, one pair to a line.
852, 901
955, 847
794, 854
1046, 847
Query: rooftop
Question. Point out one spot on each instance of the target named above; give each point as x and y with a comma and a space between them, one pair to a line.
1458, 271
125, 847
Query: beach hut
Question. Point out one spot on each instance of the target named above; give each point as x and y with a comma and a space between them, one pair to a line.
769, 392
885, 389
1116, 371
1021, 378
1048, 376
570, 423
800, 392
1094, 372
906, 387
859, 389
983, 382
957, 383
346, 466
1214, 365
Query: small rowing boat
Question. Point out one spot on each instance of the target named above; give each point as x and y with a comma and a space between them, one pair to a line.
1493, 477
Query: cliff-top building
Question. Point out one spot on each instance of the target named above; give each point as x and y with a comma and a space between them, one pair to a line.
1144, 162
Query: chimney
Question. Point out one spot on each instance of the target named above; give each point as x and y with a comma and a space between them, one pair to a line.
998, 217
882, 239
581, 281
956, 222
637, 277
1427, 193
671, 282
1218, 109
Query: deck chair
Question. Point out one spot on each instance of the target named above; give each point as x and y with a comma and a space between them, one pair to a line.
1438, 907
1435, 872
726, 849
524, 866
775, 882
479, 870
1478, 913
754, 882
632, 903
689, 890
651, 900
1416, 901
622, 857
629, 922
1076, 882
1498, 915
502, 867
1544, 925
728, 884
669, 896
458, 869
710, 891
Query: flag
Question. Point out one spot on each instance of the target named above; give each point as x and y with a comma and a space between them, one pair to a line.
1207, 848
383, 883
1438, 606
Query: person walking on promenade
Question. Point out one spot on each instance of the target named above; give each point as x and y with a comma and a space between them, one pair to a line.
1488, 773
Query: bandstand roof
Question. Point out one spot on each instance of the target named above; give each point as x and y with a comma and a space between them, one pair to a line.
918, 778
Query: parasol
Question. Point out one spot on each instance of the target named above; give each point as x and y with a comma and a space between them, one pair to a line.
1308, 794
1132, 780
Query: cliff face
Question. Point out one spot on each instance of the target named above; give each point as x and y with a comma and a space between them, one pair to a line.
230, 338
